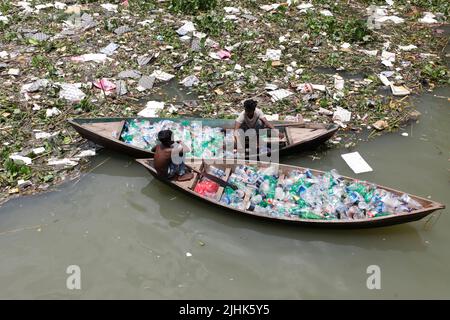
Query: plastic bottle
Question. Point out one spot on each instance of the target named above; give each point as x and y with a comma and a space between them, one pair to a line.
413, 204
256, 199
279, 193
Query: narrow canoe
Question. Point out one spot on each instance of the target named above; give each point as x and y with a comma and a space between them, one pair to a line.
187, 187
107, 132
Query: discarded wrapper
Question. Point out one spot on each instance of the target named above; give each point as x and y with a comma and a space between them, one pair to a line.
356, 162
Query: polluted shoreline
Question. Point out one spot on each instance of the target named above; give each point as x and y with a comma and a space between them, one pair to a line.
60, 60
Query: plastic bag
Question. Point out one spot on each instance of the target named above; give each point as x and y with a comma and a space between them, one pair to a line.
206, 188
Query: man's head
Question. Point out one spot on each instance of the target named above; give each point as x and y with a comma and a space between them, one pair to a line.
165, 136
250, 106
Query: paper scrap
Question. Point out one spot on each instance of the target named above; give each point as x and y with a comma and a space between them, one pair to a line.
356, 162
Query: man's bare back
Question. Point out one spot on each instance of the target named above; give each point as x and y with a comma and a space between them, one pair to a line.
162, 160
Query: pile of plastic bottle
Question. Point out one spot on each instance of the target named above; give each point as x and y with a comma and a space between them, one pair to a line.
304, 195
204, 141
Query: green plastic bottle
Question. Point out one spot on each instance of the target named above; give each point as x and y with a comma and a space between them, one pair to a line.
310, 215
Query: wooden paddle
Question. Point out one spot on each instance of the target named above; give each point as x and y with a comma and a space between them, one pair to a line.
218, 180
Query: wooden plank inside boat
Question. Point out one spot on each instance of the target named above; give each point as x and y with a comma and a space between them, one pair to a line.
301, 134
109, 129
190, 184
221, 189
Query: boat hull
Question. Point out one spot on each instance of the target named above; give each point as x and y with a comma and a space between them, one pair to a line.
135, 152
331, 224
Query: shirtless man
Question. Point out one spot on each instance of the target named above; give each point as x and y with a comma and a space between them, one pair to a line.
163, 160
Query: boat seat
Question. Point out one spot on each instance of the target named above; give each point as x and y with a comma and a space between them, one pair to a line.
221, 189
295, 135
190, 184
109, 129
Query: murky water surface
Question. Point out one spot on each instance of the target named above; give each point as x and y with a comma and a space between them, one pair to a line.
130, 234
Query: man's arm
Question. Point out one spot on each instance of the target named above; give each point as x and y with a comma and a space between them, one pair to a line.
183, 148
270, 126
267, 123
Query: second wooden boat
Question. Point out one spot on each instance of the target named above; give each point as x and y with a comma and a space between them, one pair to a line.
107, 132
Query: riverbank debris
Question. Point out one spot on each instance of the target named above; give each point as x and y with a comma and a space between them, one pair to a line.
60, 60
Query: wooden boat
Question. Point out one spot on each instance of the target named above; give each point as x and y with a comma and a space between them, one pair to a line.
187, 187
107, 132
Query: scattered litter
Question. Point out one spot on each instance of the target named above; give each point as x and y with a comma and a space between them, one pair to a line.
71, 92
232, 10
356, 162
105, 84
161, 75
62, 163
271, 86
45, 135
272, 55
195, 45
407, 48
270, 7
305, 6
342, 115
34, 86
372, 53
4, 54
110, 49
52, 112
380, 125
220, 55
121, 88
399, 90
39, 36
74, 9
133, 74
60, 5
20, 160
378, 16
272, 117
23, 184
405, 134
346, 46
428, 17
146, 22
151, 109
188, 254
96, 57
384, 79
185, 38
190, 81
121, 30
145, 59
3, 19
280, 94
38, 150
326, 13
339, 83
387, 58
145, 83
305, 88
14, 72
86, 153
109, 6
325, 111
186, 28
